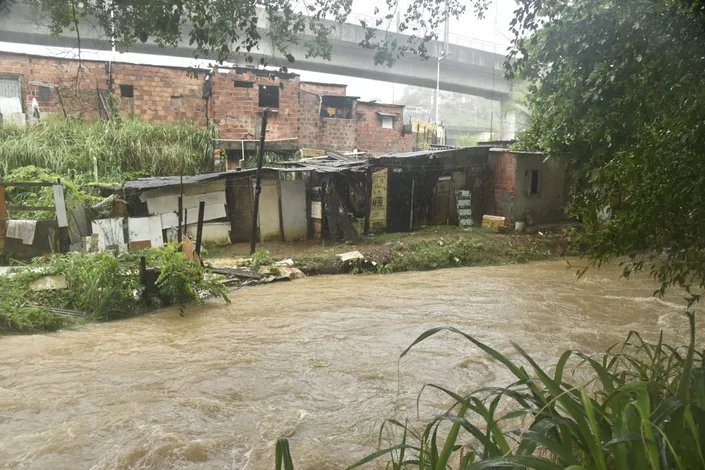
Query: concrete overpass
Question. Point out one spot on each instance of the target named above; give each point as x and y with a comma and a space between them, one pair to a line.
469, 70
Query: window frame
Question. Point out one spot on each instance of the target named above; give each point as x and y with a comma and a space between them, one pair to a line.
262, 91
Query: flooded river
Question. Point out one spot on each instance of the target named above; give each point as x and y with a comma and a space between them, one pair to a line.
314, 360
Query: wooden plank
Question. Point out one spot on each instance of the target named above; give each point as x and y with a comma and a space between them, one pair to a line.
60, 204
31, 208
8, 184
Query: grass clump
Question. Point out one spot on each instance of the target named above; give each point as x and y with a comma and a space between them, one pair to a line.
101, 287
639, 405
69, 147
425, 255
261, 258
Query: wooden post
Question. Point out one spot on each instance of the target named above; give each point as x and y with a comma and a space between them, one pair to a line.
199, 227
281, 215
411, 214
258, 183
143, 276
3, 216
180, 215
324, 203
309, 219
368, 199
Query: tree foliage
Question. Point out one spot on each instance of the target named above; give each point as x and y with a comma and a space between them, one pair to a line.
226, 29
617, 84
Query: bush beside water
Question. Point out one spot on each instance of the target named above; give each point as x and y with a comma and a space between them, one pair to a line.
101, 286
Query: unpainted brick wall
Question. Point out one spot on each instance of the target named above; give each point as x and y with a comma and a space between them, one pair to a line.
372, 137
324, 88
310, 120
77, 89
161, 94
337, 134
324, 133
503, 168
237, 111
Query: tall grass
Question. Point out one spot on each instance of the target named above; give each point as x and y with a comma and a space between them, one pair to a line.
69, 146
641, 405
100, 286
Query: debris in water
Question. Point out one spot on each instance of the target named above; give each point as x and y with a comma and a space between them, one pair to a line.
350, 255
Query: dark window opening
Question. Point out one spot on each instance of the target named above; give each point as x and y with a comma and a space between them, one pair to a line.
534, 181
127, 91
244, 84
44, 93
339, 107
268, 96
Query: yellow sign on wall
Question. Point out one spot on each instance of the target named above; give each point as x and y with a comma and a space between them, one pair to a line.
378, 209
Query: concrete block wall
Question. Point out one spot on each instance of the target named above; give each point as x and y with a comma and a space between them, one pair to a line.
372, 137
237, 112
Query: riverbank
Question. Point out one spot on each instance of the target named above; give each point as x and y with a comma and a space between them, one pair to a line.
424, 250
85, 287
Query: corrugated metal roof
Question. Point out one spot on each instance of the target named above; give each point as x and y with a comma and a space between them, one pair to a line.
164, 181
420, 153
331, 163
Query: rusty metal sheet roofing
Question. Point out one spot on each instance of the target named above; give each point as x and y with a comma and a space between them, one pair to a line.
164, 181
331, 163
420, 153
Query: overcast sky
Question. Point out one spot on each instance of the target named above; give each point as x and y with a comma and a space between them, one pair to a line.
494, 28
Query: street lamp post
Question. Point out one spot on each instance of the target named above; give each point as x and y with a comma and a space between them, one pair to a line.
442, 56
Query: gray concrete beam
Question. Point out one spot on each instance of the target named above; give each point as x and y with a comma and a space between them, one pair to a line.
466, 70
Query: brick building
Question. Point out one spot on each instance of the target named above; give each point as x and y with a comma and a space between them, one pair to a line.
380, 127
302, 114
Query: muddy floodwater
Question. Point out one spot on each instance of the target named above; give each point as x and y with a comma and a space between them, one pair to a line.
315, 360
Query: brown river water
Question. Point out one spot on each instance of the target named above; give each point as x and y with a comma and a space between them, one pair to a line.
315, 360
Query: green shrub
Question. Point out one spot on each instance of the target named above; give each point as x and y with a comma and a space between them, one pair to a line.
641, 406
101, 287
183, 282
261, 258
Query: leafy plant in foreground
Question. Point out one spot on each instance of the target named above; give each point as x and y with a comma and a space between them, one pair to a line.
182, 282
642, 406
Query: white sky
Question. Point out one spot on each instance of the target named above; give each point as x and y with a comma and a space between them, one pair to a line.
494, 28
